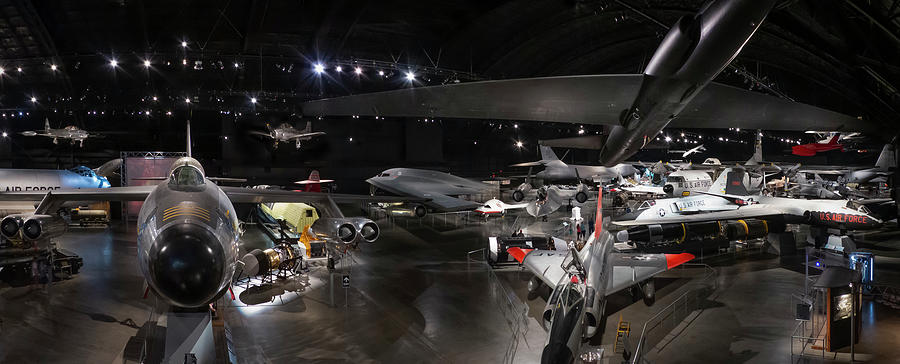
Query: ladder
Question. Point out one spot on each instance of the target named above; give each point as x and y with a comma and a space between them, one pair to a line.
622, 331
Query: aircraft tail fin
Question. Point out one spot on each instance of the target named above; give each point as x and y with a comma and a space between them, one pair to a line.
314, 185
887, 158
757, 157
188, 147
834, 138
47, 125
817, 177
730, 182
547, 154
109, 168
308, 127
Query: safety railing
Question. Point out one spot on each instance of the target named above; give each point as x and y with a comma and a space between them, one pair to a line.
661, 324
807, 334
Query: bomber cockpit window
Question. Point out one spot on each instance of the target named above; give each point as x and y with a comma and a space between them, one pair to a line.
186, 176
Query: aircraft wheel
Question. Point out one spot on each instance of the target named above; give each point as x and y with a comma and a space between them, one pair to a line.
581, 197
534, 284
518, 196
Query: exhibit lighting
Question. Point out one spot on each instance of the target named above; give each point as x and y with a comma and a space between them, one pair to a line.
236, 65
147, 63
19, 69
668, 138
358, 70
737, 129
252, 100
1, 70
516, 126
5, 135
338, 69
154, 98
351, 139
319, 68
183, 44
721, 139
760, 134
184, 61
410, 76
381, 73
53, 67
113, 63
33, 99
187, 100
518, 144
682, 135
580, 131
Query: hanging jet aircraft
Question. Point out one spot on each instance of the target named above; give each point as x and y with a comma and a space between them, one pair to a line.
187, 228
438, 188
810, 149
685, 153
884, 166
674, 90
581, 281
286, 133
71, 132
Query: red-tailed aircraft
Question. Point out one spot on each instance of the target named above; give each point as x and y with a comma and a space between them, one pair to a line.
809, 150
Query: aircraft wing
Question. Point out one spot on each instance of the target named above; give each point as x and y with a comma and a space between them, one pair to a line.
51, 201
256, 195
628, 269
585, 99
743, 212
259, 133
307, 135
544, 264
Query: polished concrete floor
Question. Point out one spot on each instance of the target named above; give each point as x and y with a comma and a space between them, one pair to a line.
414, 297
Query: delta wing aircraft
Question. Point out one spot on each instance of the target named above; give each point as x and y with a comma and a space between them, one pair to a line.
71, 132
439, 188
581, 281
674, 90
187, 229
286, 133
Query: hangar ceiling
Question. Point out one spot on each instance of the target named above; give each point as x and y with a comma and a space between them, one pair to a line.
840, 55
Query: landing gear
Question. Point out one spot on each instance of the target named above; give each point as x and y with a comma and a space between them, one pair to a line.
534, 284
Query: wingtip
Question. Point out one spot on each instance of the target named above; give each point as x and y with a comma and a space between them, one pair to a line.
674, 260
518, 253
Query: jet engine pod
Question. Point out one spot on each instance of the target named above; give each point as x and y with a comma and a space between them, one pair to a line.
581, 197
420, 211
519, 194
649, 291
368, 229
43, 227
335, 228
10, 225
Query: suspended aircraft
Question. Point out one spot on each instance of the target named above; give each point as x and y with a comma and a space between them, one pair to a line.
497, 207
72, 133
442, 190
810, 149
286, 133
674, 90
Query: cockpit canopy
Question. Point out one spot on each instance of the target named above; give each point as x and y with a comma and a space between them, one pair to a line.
186, 176
858, 207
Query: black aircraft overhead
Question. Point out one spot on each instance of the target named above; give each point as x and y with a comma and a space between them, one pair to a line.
673, 90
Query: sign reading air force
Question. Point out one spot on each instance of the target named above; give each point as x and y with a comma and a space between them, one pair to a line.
29, 188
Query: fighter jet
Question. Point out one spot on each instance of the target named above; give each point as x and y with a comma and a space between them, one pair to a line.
497, 207
42, 180
556, 170
438, 188
674, 90
883, 167
187, 228
685, 153
285, 133
580, 282
733, 213
71, 132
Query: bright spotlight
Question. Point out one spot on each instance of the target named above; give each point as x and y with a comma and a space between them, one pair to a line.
682, 134
518, 144
358, 70
410, 76
113, 62
187, 100
668, 138
183, 44
33, 99
338, 69
2, 70
580, 131
319, 68
516, 126
252, 100
53, 67
155, 98
19, 69
236, 65
147, 63
5, 135
381, 73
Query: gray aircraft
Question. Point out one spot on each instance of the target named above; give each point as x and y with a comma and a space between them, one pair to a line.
286, 133
71, 132
438, 188
582, 280
556, 170
674, 90
187, 228
883, 167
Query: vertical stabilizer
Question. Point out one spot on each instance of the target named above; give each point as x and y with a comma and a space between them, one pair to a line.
757, 157
887, 158
47, 125
731, 182
188, 149
308, 128
547, 154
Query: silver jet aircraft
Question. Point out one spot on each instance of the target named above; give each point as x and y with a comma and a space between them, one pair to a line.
582, 280
674, 90
187, 228
556, 170
71, 132
286, 133
439, 188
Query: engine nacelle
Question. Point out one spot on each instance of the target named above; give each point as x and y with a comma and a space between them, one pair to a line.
43, 227
582, 195
520, 192
368, 229
332, 228
282, 257
12, 224
648, 289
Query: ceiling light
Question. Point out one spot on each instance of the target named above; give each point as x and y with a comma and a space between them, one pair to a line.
113, 62
53, 67
147, 63
518, 144
668, 138
319, 68
154, 98
19, 69
187, 100
580, 131
5, 135
410, 76
338, 69
381, 73
358, 70
236, 65
252, 100
1, 70
33, 99
183, 44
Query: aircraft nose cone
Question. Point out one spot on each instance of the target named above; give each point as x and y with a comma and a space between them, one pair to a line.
187, 264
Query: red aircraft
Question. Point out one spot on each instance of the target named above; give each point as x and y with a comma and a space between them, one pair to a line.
313, 183
809, 150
